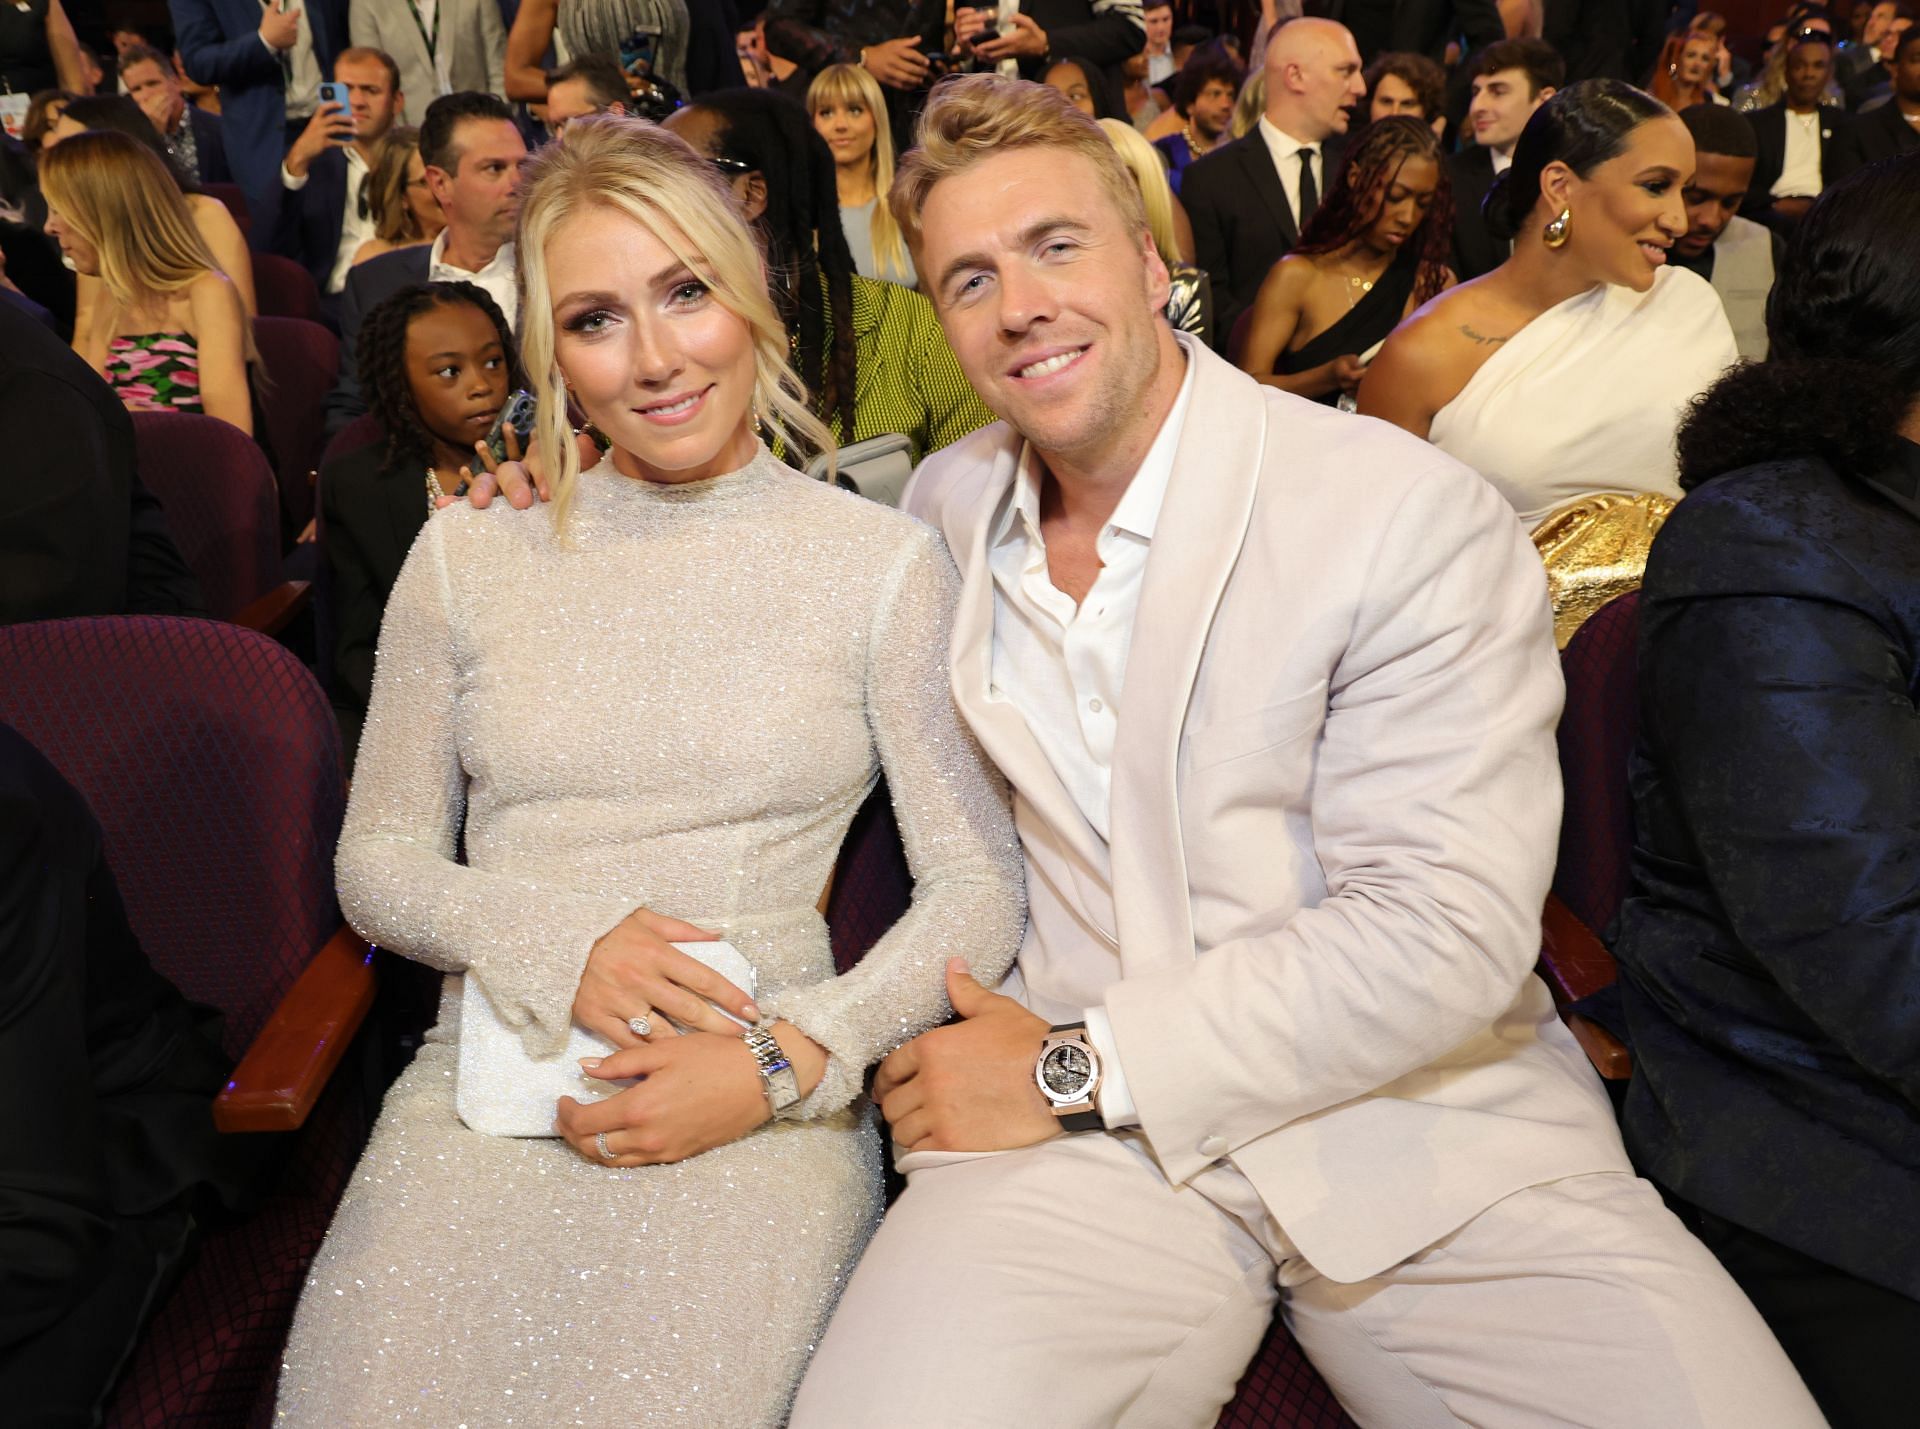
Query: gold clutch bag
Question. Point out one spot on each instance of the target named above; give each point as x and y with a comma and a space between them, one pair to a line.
1596, 548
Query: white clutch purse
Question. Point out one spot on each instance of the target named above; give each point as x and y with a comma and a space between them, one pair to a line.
500, 1090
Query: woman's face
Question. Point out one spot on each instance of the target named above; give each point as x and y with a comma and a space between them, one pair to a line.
1393, 95
55, 109
456, 372
1404, 204
1627, 213
74, 245
1696, 61
654, 359
1071, 82
421, 203
847, 126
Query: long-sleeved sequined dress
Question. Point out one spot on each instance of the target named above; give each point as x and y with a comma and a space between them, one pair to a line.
679, 704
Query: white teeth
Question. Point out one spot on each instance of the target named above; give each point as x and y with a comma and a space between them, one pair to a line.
1052, 364
676, 407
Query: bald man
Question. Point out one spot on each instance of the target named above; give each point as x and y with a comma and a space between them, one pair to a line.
1250, 199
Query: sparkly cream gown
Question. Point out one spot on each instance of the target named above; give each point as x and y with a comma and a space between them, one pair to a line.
679, 704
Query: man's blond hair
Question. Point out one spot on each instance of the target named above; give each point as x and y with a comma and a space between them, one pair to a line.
976, 116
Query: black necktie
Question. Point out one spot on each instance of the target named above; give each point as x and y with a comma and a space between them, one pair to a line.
1309, 192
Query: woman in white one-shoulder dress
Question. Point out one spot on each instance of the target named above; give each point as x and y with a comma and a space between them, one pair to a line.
652, 707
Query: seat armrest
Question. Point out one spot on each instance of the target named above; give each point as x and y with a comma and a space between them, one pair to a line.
1576, 964
286, 1068
271, 613
1608, 1053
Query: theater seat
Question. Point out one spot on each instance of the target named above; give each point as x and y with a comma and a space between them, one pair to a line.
302, 359
210, 758
283, 289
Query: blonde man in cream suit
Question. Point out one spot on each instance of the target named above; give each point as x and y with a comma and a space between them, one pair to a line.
1275, 687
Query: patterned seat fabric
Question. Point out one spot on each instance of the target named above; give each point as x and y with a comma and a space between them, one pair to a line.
1596, 740
1281, 1390
284, 289
221, 504
302, 360
210, 758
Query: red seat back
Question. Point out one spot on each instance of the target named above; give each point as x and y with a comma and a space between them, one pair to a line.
210, 757
221, 503
1596, 740
871, 884
283, 289
235, 200
302, 359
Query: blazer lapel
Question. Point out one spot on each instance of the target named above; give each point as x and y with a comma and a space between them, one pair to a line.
1266, 183
1201, 526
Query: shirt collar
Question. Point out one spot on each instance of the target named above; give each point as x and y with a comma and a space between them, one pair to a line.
1282, 143
436, 258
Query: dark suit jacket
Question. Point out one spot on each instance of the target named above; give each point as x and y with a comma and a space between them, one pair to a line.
369, 516
1770, 139
1606, 39
220, 44
312, 216
1475, 251
209, 146
1883, 133
368, 284
1423, 27
79, 534
1242, 224
1771, 946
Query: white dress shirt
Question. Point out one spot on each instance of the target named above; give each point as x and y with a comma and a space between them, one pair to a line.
498, 277
1064, 668
355, 227
1800, 169
1285, 150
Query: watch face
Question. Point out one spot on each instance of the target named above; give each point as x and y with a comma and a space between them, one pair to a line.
1065, 1072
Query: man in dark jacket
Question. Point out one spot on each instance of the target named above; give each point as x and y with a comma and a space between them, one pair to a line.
193, 137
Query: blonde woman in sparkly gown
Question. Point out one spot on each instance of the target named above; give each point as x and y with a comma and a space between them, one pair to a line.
654, 706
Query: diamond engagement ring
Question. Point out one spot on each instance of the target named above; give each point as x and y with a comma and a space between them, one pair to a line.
640, 1026
606, 1152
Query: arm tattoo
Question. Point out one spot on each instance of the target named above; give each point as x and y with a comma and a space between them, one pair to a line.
1480, 337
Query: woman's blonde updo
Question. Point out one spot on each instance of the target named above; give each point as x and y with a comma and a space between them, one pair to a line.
636, 168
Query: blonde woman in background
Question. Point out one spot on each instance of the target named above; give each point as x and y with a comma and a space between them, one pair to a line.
405, 212
1190, 304
714, 708
848, 110
167, 330
1251, 104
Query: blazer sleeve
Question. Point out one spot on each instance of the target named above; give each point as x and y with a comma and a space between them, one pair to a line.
1776, 694
210, 56
1434, 809
1201, 191
1112, 32
493, 40
347, 509
793, 35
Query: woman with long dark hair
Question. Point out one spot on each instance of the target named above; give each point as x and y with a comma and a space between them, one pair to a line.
1770, 951
1373, 252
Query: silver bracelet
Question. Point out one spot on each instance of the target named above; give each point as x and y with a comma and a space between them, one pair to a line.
776, 1072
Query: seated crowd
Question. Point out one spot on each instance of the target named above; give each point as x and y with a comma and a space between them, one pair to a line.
1307, 367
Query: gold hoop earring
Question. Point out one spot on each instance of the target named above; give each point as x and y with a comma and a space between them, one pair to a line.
1556, 233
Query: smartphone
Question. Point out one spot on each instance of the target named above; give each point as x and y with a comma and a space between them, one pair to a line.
637, 50
518, 415
333, 92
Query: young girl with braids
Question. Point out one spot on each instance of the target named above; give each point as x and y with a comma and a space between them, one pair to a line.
438, 362
1372, 253
872, 354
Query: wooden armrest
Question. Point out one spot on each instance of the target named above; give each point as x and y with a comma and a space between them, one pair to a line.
1573, 960
1608, 1053
271, 613
286, 1068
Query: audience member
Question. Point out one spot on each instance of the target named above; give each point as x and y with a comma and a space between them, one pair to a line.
591, 84
766, 70
1421, 27
1565, 370
1894, 128
871, 354
1143, 102
472, 152
1189, 306
1029, 35
1511, 80
38, 50
1203, 95
1861, 65
740, 653
1400, 82
43, 112
877, 35
1245, 917
1605, 39
1803, 145
437, 363
1730, 70
326, 217
692, 45
83, 536
193, 137
1769, 951
1156, 18
1769, 87
1684, 74
405, 212
850, 113
1738, 256
1085, 84
1249, 200
438, 46
168, 333
268, 61
1375, 251
211, 218
1251, 104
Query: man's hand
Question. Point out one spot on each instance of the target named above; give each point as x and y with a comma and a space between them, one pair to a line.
1019, 38
279, 28
969, 1086
330, 128
968, 23
897, 63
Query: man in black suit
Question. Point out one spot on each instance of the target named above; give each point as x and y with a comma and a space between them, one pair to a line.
79, 534
1421, 27
1606, 39
1249, 199
473, 153
1103, 32
1510, 81
1894, 128
193, 137
1804, 147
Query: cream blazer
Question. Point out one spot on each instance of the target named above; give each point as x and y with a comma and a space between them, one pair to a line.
1336, 801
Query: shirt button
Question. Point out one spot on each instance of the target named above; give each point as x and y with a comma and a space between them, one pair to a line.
1213, 1148
1095, 706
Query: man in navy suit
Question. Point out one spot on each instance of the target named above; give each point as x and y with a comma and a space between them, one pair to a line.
268, 62
193, 137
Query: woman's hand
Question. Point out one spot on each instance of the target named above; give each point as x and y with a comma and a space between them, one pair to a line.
696, 1092
519, 478
634, 971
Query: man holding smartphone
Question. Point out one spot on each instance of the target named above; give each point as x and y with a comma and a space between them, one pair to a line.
1020, 38
325, 215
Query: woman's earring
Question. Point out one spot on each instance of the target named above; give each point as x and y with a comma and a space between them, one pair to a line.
1556, 234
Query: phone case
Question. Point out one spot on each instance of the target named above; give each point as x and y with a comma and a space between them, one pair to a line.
500, 1090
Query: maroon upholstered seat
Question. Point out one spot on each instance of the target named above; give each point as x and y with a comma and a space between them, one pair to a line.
1596, 739
1282, 1390
302, 360
283, 289
235, 199
221, 503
